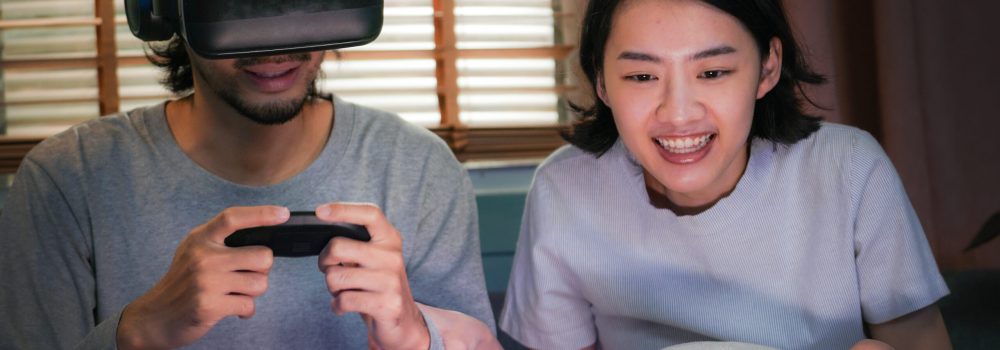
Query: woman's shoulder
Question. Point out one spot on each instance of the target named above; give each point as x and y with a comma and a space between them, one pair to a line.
572, 162
836, 155
848, 137
836, 143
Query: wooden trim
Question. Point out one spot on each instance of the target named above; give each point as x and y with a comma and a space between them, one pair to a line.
379, 55
132, 60
561, 90
49, 22
558, 52
13, 150
46, 101
446, 72
107, 60
509, 142
467, 143
48, 63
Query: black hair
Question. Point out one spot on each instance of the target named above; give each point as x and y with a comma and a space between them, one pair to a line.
778, 116
172, 58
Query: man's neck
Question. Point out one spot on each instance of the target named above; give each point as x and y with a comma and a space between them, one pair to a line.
237, 149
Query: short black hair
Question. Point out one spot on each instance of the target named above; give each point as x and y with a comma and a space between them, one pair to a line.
172, 58
778, 116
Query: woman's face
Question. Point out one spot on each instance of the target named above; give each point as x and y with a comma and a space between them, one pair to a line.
681, 78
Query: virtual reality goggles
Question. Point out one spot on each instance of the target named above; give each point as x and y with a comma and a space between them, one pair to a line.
242, 28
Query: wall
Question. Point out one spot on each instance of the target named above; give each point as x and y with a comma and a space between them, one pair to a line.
917, 75
500, 194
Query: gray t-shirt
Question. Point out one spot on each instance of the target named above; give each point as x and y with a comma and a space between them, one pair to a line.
96, 213
816, 239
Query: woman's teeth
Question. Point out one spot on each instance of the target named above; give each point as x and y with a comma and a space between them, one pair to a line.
684, 144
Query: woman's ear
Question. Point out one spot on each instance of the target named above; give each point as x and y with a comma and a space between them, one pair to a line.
602, 91
770, 70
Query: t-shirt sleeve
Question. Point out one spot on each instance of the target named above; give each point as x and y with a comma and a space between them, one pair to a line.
446, 268
544, 308
897, 273
47, 292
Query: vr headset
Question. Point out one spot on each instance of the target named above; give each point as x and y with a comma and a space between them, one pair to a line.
242, 28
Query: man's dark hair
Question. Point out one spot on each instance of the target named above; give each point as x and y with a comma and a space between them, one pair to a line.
172, 58
778, 116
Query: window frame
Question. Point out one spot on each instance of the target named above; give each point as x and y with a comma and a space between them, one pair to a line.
467, 142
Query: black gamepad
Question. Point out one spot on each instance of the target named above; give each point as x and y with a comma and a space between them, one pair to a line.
302, 235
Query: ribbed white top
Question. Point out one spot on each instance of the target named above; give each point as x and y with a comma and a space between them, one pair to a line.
817, 238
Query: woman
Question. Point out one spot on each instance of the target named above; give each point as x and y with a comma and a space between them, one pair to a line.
699, 203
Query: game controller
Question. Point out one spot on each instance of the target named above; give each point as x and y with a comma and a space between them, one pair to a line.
302, 235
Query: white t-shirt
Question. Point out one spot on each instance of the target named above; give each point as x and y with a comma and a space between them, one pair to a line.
817, 238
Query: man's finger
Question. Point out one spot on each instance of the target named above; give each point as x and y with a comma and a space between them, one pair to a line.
362, 302
238, 305
250, 284
365, 214
250, 258
340, 251
236, 218
340, 279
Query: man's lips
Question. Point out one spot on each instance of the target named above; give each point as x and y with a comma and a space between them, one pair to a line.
270, 70
273, 77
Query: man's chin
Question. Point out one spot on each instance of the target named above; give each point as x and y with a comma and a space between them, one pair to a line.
275, 113
271, 112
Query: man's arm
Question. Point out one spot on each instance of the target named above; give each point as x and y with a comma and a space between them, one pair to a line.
47, 287
921, 329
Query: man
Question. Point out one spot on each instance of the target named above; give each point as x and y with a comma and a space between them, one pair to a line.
113, 231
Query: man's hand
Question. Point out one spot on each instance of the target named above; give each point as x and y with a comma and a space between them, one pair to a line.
207, 282
370, 278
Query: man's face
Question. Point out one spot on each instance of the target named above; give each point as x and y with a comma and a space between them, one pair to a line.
269, 90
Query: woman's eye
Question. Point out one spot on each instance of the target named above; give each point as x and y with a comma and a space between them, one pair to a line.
713, 74
641, 77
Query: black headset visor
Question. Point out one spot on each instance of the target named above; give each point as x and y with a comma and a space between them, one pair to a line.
242, 28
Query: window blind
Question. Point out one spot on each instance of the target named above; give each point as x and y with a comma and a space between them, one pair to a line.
43, 100
487, 76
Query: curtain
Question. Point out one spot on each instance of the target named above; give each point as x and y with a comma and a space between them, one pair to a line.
919, 75
3, 109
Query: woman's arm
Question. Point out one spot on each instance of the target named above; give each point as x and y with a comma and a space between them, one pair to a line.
460, 331
921, 329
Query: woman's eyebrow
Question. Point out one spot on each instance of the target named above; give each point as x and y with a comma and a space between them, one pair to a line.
645, 57
639, 56
715, 51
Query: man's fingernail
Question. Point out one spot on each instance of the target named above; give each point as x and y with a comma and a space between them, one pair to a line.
283, 213
323, 211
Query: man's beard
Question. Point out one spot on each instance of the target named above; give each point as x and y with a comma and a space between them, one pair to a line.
268, 113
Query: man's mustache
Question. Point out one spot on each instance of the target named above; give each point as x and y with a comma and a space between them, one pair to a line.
250, 61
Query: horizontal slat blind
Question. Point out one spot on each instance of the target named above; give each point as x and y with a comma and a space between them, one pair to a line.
509, 91
405, 86
43, 101
479, 73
